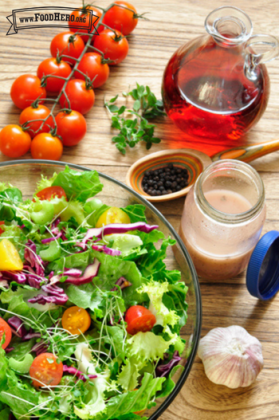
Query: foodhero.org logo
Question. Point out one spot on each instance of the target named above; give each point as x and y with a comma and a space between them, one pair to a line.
50, 16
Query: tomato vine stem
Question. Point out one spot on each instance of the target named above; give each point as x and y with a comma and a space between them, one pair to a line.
74, 69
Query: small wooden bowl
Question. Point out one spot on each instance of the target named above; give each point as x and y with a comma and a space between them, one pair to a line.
192, 160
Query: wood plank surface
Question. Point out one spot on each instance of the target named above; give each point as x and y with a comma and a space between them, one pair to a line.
172, 23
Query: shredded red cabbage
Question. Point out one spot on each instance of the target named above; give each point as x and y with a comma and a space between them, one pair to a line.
9, 349
40, 348
17, 326
90, 272
52, 238
20, 278
122, 283
115, 228
106, 250
72, 272
35, 261
164, 369
73, 371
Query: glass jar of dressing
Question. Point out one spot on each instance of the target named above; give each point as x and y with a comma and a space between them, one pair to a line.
223, 216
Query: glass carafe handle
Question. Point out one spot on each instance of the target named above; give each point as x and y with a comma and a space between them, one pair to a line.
269, 43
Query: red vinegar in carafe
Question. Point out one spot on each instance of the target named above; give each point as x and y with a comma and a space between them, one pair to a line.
213, 87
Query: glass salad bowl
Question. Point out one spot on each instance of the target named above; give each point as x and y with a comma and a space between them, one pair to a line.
26, 174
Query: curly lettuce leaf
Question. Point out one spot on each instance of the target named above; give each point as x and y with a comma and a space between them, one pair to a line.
45, 183
10, 198
5, 414
152, 264
128, 377
111, 269
78, 185
155, 292
148, 346
124, 405
136, 212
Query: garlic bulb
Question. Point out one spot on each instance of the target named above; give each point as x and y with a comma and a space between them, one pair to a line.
231, 356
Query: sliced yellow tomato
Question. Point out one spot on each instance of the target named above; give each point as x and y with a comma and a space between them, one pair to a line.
76, 320
9, 257
112, 215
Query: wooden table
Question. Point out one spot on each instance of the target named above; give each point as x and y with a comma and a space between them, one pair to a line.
172, 23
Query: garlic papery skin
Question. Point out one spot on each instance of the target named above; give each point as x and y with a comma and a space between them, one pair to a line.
231, 356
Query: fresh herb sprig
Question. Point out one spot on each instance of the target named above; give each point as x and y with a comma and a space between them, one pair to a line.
135, 127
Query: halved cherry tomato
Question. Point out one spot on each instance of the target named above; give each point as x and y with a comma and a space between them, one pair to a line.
113, 44
2, 230
54, 67
76, 320
71, 127
81, 16
120, 18
36, 112
46, 146
45, 370
5, 328
14, 141
51, 192
139, 319
26, 89
80, 94
112, 215
67, 43
95, 67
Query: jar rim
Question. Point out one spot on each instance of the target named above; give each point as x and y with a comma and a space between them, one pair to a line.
222, 16
230, 218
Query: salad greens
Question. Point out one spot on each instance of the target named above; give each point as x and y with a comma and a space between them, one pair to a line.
68, 261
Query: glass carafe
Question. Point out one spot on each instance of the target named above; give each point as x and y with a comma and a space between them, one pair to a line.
216, 86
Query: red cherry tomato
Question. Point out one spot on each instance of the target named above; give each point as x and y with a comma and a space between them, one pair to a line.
26, 89
69, 44
2, 230
80, 95
37, 112
5, 328
55, 68
138, 319
113, 44
71, 127
51, 192
81, 16
45, 371
46, 146
120, 18
14, 141
95, 67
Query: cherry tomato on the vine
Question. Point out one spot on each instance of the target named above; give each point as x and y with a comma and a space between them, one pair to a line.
76, 320
113, 44
120, 18
95, 67
81, 17
71, 127
2, 230
139, 319
80, 95
14, 141
45, 371
26, 89
36, 112
51, 192
52, 66
5, 328
112, 215
67, 43
46, 146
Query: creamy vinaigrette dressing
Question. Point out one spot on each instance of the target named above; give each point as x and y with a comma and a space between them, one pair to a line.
226, 201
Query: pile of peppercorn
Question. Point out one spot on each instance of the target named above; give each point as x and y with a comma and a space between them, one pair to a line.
165, 180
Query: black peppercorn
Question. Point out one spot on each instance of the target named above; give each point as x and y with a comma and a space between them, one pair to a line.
165, 180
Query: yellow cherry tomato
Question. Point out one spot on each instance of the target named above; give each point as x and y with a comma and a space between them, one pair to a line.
113, 215
9, 257
76, 320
